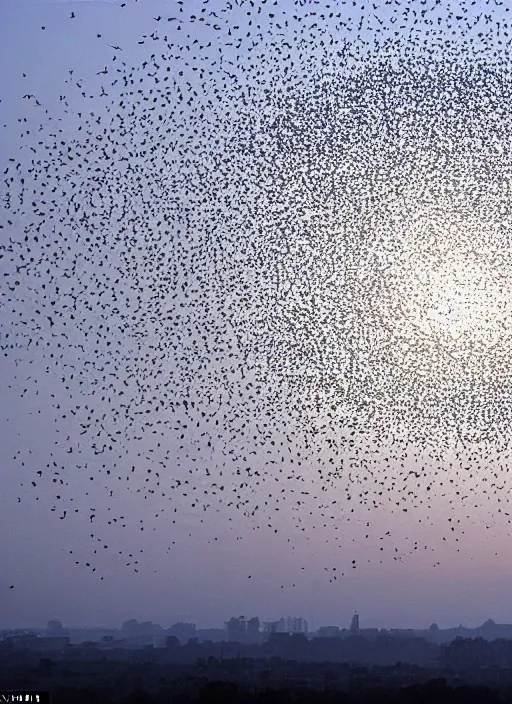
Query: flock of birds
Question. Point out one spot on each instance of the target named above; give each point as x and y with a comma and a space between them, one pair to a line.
216, 273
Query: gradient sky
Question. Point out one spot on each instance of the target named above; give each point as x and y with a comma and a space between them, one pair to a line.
200, 578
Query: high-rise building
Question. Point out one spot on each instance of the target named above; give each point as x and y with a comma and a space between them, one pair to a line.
253, 630
236, 629
354, 625
269, 627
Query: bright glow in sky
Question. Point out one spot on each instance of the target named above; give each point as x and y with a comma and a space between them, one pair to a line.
464, 300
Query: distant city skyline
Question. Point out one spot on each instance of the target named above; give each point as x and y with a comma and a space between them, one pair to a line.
283, 623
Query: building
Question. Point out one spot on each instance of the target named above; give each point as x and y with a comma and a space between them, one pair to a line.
215, 635
144, 640
466, 653
269, 627
22, 641
354, 625
329, 632
182, 631
253, 630
236, 629
291, 624
55, 628
369, 633
31, 642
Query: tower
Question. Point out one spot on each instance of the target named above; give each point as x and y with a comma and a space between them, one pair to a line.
354, 626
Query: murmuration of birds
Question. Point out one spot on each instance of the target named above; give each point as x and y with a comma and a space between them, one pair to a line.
264, 270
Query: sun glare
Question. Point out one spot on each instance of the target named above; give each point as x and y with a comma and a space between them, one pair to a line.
462, 300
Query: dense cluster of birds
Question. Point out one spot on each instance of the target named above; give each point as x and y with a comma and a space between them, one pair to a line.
264, 271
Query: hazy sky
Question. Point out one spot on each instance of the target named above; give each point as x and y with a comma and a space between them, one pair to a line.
207, 565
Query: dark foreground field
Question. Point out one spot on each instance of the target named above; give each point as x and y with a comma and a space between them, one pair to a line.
281, 682
435, 692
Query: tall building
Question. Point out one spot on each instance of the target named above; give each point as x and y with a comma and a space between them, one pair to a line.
237, 629
269, 627
354, 625
253, 630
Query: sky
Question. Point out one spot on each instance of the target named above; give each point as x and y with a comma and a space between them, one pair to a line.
330, 315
